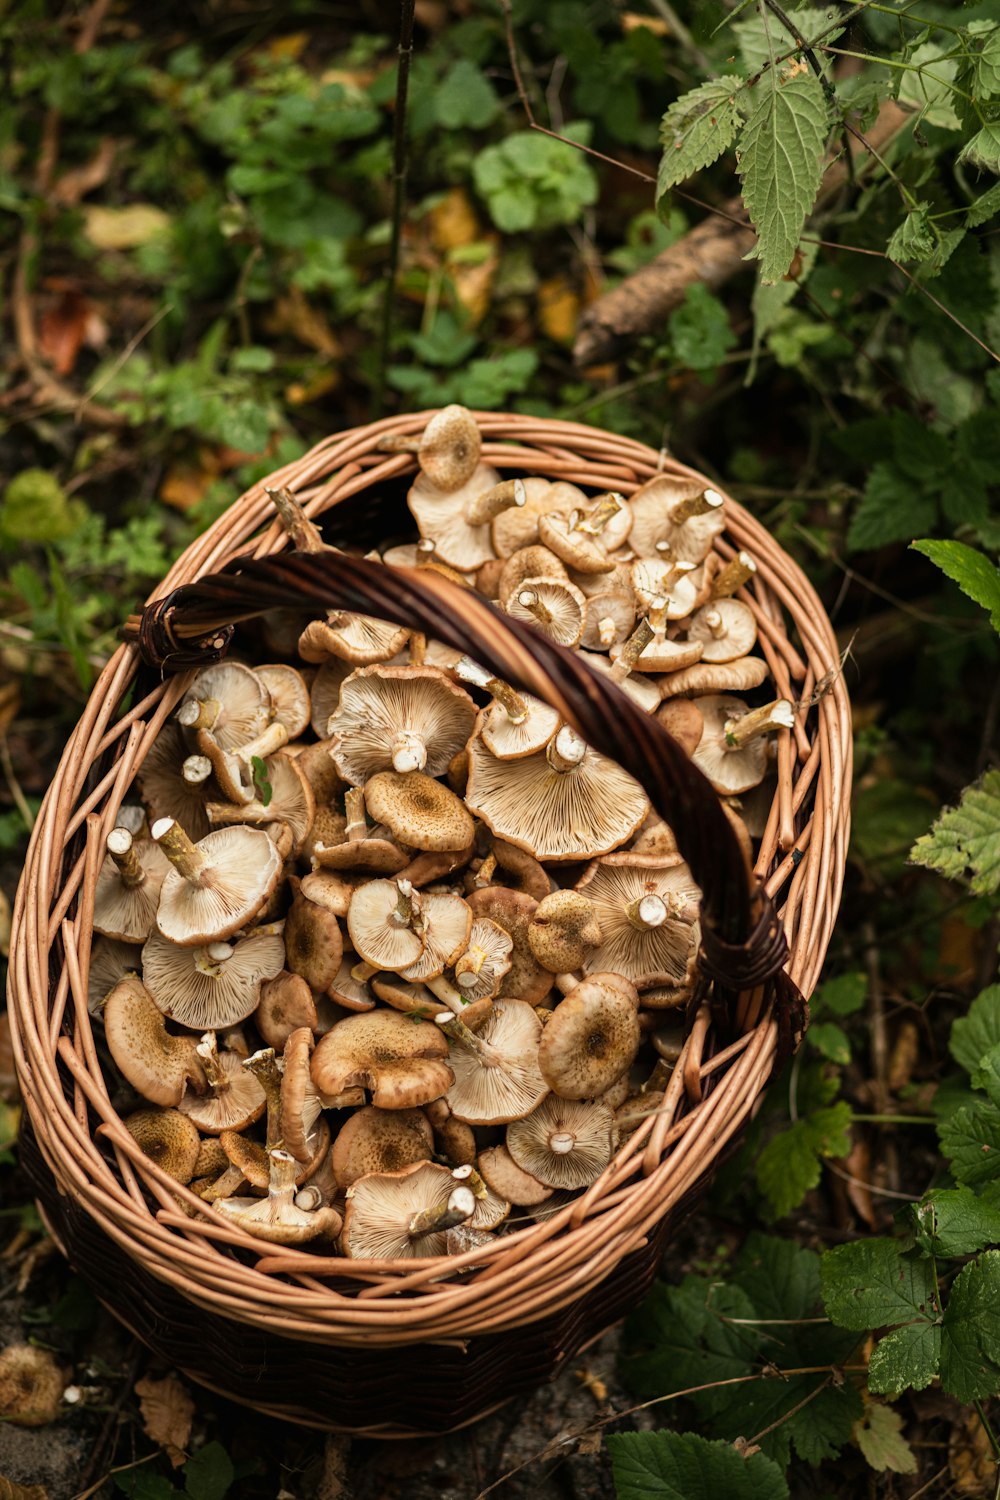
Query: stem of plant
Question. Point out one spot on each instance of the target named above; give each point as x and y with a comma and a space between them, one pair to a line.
399, 165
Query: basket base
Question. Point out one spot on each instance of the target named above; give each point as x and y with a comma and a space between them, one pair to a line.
419, 1390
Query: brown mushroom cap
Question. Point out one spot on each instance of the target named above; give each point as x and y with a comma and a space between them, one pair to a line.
228, 701
419, 811
401, 1061
226, 878
453, 1139
515, 529
448, 452
314, 944
647, 910
331, 889
715, 677
380, 1140
564, 1143
529, 562
348, 989
513, 911
399, 718
578, 549
325, 693
608, 617
128, 887
290, 705
682, 719
210, 988
300, 1102
168, 1138
235, 1098
159, 1066
31, 1390
590, 1040
501, 1172
441, 517
359, 639
563, 930
496, 1072
553, 605
286, 1002
384, 1209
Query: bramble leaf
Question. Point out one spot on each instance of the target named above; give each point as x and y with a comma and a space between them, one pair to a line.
879, 1435
683, 1466
781, 162
892, 509
984, 207
970, 1138
869, 1284
964, 843
978, 1031
969, 1332
972, 570
697, 128
983, 150
956, 1221
913, 239
790, 1164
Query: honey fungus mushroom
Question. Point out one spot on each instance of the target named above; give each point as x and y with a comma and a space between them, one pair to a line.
128, 887
234, 1098
453, 520
563, 930
400, 1060
447, 450
732, 751
210, 988
675, 519
399, 719
496, 1071
359, 639
217, 885
647, 908
419, 811
380, 1140
157, 1065
404, 1215
226, 705
313, 941
726, 629
590, 1040
168, 1138
563, 1143
278, 1218
554, 605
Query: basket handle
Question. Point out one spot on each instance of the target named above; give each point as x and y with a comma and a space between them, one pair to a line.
743, 941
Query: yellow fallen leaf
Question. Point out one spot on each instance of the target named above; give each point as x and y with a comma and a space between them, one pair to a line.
631, 21
300, 393
293, 314
473, 283
184, 486
453, 221
124, 228
167, 1414
558, 309
287, 48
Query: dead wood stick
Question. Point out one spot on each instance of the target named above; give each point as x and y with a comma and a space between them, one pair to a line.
711, 252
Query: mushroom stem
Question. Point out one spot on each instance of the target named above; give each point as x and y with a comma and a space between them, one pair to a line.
199, 713
647, 912
309, 1197
228, 1182
264, 1067
208, 1050
715, 623
122, 850
469, 966
425, 550
270, 739
657, 615
467, 670
566, 982
196, 769
739, 732
354, 807
631, 651
562, 1142
456, 1028
566, 750
209, 960
698, 505
738, 571
362, 972
409, 753
529, 599
486, 871
606, 508
184, 855
305, 536
418, 648
681, 910
468, 1175
503, 496
395, 443
407, 913
607, 631
457, 1207
447, 993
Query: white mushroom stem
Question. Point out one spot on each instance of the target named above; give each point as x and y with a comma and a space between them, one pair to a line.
468, 1175
459, 1032
698, 505
457, 1207
362, 972
305, 536
469, 966
122, 850
425, 550
529, 599
208, 1050
196, 769
565, 750
739, 732
270, 739
198, 713
647, 912
566, 982
467, 670
605, 510
631, 651
562, 1142
503, 496
354, 807
209, 960
738, 571
607, 631
715, 623
409, 753
447, 994
184, 855
396, 443
309, 1198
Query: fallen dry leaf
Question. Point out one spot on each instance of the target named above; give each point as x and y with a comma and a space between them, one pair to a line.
167, 1414
124, 228
558, 309
78, 181
592, 1383
287, 48
62, 329
903, 1057
473, 282
858, 1166
293, 314
631, 21
333, 1481
454, 221
971, 1463
300, 393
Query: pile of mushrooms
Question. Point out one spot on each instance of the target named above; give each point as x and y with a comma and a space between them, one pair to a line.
389, 959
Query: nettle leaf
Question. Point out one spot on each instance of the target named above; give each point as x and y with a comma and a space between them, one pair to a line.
771, 300
697, 128
965, 840
781, 162
760, 37
984, 208
871, 1285
987, 65
683, 1466
970, 1340
983, 150
791, 1164
977, 1032
913, 239
970, 1139
927, 84
972, 570
892, 509
879, 1435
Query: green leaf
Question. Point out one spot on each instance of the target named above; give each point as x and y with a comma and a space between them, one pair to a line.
970, 1139
700, 330
987, 1075
972, 570
977, 1032
790, 1164
697, 128
879, 1435
970, 1340
844, 995
965, 840
683, 1466
261, 780
984, 207
926, 86
892, 509
781, 162
209, 1473
36, 508
691, 1341
465, 98
907, 1358
912, 240
761, 36
983, 150
869, 1284
987, 65
955, 1221
831, 1041
140, 1484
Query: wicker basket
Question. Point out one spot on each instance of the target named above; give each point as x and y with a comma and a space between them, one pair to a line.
398, 1348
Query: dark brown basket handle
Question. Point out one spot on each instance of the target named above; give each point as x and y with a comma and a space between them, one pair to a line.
743, 942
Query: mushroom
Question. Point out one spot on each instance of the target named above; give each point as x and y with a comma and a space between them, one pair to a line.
447, 925
683, 721
314, 944
128, 887
159, 1066
110, 961
565, 803
356, 846
360, 639
348, 989
737, 571
235, 1098
210, 988
380, 1140
564, 1143
579, 549
454, 1139
676, 519
278, 1218
554, 605
300, 1105
386, 924
501, 1172
325, 693
529, 562
647, 907
443, 518
399, 719
283, 796
709, 678
403, 1215
491, 1207
331, 889
496, 1071
401, 1061
513, 530
519, 871
31, 1392
168, 1138
669, 587
563, 930
640, 689
290, 709
480, 969
217, 885
732, 752
226, 705
513, 911
447, 450
609, 615
165, 791
285, 1003
590, 1040
726, 629
419, 811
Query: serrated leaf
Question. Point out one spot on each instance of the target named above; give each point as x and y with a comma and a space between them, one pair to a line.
759, 37
683, 1466
983, 149
972, 570
984, 207
971, 1141
926, 86
790, 1164
465, 97
965, 840
987, 1075
830, 1040
691, 1343
908, 1358
209, 1473
700, 330
986, 69
869, 1284
913, 239
892, 509
969, 1332
697, 128
955, 1221
977, 1032
781, 162
879, 1435
843, 995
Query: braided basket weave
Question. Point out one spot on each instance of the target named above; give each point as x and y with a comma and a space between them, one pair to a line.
399, 1348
